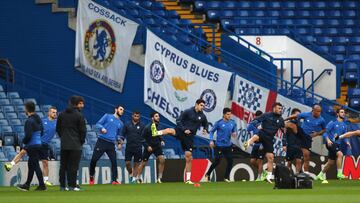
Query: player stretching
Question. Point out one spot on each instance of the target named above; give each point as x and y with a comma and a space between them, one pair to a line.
257, 152
348, 134
292, 142
187, 124
271, 122
312, 126
110, 127
153, 144
225, 128
334, 128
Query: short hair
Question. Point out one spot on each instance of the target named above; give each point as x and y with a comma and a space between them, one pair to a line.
118, 106
294, 110
136, 112
52, 107
30, 106
75, 100
339, 109
152, 114
226, 110
276, 104
199, 101
315, 105
258, 113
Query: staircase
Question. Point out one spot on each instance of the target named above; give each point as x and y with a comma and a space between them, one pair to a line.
343, 94
186, 12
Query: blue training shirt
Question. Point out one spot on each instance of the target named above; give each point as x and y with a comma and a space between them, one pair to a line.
334, 128
310, 123
114, 127
224, 130
253, 129
49, 130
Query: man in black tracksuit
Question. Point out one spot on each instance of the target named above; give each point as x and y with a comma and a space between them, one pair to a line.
271, 122
187, 124
32, 141
71, 129
134, 141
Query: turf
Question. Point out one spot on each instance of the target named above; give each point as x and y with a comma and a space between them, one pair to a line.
335, 191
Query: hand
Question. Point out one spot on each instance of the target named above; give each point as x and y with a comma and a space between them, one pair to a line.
169, 131
212, 145
103, 130
233, 135
187, 132
348, 145
204, 132
314, 134
119, 146
329, 143
284, 148
162, 143
149, 149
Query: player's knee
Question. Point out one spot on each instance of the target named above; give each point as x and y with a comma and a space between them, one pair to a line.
253, 161
161, 159
339, 154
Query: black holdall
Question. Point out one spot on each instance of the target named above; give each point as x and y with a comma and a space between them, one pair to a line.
303, 181
284, 177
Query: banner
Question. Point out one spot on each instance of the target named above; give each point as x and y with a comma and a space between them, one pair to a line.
103, 43
18, 173
243, 170
248, 98
173, 81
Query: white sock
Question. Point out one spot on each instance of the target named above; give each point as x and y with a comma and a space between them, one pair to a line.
46, 178
188, 176
259, 176
339, 171
269, 175
307, 172
160, 176
12, 163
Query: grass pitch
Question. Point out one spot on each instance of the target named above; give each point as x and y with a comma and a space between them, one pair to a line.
336, 191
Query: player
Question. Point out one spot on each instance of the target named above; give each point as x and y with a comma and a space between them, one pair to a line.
49, 125
292, 142
348, 134
133, 135
110, 127
333, 128
257, 153
271, 122
225, 128
312, 126
187, 124
153, 144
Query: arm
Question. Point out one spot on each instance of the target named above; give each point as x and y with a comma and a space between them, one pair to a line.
212, 131
100, 124
82, 129
58, 125
123, 133
144, 135
205, 124
180, 120
28, 132
323, 125
234, 130
291, 117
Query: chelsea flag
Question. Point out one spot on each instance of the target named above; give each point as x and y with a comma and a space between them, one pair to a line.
103, 43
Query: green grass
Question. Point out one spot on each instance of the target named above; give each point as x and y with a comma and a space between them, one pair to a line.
335, 191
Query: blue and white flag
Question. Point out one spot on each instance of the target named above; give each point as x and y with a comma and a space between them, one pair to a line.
103, 43
174, 80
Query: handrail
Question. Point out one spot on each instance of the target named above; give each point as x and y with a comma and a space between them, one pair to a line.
328, 71
292, 60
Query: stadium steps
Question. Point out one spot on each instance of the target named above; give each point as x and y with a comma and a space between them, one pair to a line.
343, 94
186, 12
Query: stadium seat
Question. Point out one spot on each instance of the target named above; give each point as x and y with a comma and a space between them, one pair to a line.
273, 13
339, 40
15, 121
347, 31
157, 6
4, 102
354, 93
355, 103
350, 4
18, 128
288, 5
274, 5
339, 58
353, 49
30, 99
229, 5
244, 4
303, 5
200, 5
349, 13
8, 108
146, 4
17, 101
6, 128
338, 49
160, 13
243, 13
2, 116
333, 13
213, 14
213, 5
228, 14
9, 139
303, 13
3, 157
2, 95
351, 77
333, 4
4, 122
13, 95
317, 22
287, 13
22, 115
323, 40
